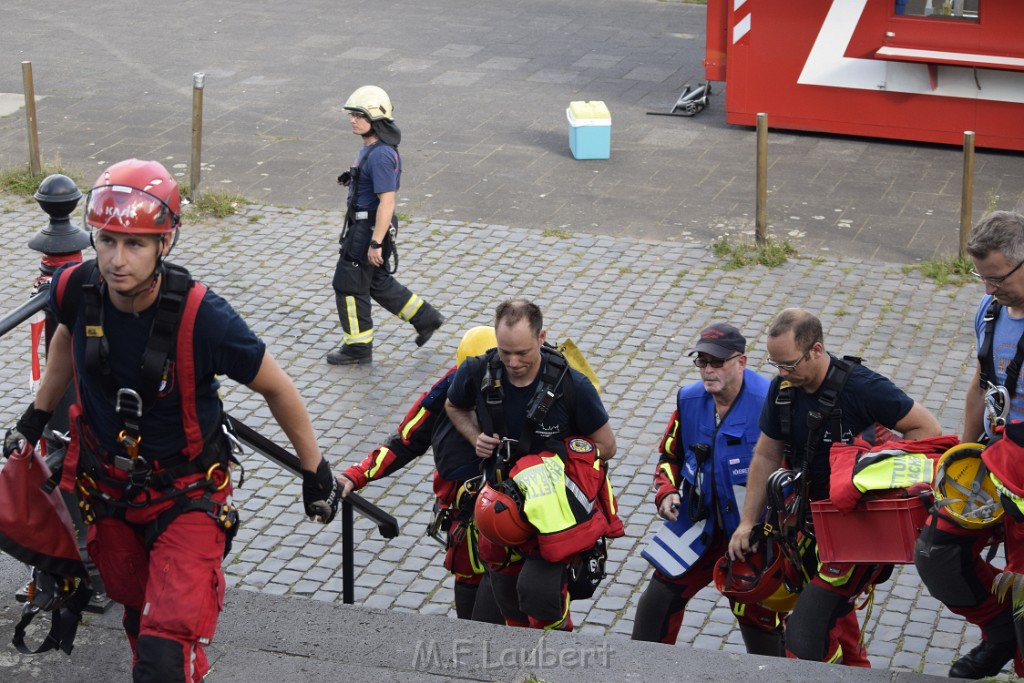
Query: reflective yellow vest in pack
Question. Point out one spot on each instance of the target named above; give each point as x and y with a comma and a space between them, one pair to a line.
568, 498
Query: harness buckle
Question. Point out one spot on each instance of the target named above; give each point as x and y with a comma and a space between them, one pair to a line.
128, 403
130, 443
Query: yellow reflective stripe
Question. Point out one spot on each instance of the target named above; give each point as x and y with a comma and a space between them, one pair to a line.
411, 424
1017, 500
837, 657
378, 462
837, 581
355, 335
668, 473
547, 504
472, 535
613, 506
411, 308
670, 440
739, 608
557, 626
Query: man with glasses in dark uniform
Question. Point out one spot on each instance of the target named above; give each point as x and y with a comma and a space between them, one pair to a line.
701, 474
823, 625
949, 557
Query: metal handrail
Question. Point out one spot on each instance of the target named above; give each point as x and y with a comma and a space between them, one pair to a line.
25, 311
387, 524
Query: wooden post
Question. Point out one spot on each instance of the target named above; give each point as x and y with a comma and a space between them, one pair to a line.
967, 192
197, 135
30, 114
761, 215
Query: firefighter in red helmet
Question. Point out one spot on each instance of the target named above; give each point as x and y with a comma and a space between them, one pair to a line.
150, 458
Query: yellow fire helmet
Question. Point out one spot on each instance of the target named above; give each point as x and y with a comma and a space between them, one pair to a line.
963, 490
476, 342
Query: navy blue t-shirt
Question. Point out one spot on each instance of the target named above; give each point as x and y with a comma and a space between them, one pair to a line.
222, 345
380, 170
590, 414
867, 398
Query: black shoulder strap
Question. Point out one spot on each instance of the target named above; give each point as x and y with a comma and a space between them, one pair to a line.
164, 333
491, 413
835, 380
985, 356
784, 402
70, 294
986, 359
553, 371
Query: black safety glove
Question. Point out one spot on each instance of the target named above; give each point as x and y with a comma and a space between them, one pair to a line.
29, 429
320, 492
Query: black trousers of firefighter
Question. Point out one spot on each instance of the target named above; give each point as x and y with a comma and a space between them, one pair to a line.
357, 281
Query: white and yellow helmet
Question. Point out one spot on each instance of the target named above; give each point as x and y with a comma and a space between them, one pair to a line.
372, 102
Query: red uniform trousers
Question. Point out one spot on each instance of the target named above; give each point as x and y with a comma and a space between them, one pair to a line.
659, 614
474, 598
823, 626
172, 593
949, 559
1015, 563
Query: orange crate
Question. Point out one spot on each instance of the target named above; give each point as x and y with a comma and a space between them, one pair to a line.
880, 530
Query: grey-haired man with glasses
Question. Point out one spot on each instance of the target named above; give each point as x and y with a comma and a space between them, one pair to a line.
949, 557
797, 431
699, 486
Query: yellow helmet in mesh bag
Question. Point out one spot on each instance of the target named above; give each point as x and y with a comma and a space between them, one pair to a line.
476, 342
963, 490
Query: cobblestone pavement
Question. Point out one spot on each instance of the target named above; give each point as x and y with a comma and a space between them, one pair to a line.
633, 306
480, 91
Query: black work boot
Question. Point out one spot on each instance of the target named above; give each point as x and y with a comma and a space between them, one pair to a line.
431, 323
985, 659
344, 356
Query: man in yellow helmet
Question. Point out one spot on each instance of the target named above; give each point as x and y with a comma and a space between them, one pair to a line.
425, 426
368, 238
520, 400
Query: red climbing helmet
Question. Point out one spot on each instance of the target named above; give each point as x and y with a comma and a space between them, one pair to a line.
499, 514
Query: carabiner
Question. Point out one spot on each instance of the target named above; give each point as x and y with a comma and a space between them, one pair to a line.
227, 476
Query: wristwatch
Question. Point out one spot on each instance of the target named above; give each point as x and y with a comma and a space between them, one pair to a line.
375, 245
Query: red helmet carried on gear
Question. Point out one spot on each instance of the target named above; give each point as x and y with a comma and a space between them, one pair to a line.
499, 514
753, 579
137, 197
